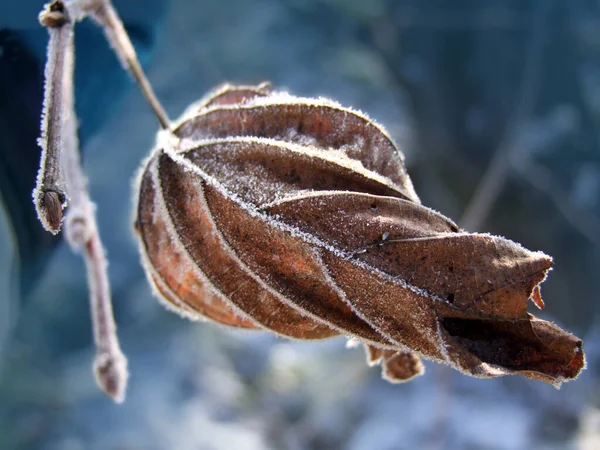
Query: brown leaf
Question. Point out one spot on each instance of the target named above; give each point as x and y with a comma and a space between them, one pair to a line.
297, 216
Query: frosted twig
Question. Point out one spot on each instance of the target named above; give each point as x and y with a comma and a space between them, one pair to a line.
103, 12
49, 194
110, 365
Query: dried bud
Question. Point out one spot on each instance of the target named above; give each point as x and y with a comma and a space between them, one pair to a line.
51, 206
297, 216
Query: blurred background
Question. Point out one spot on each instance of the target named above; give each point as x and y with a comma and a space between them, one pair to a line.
496, 105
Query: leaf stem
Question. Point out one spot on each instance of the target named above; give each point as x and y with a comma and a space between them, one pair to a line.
105, 15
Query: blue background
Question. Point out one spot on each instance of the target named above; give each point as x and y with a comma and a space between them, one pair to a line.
455, 83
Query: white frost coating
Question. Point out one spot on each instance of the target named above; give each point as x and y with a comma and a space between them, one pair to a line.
492, 370
194, 108
80, 222
281, 98
180, 248
77, 229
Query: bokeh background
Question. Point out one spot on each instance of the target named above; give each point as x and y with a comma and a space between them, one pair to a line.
496, 105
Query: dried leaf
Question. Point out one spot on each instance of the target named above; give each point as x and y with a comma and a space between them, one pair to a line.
297, 216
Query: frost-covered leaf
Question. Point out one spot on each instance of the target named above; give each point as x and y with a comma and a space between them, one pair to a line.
297, 216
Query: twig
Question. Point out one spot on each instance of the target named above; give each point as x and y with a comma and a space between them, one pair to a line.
49, 194
110, 365
103, 12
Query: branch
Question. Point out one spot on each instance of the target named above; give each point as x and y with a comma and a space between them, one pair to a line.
110, 365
